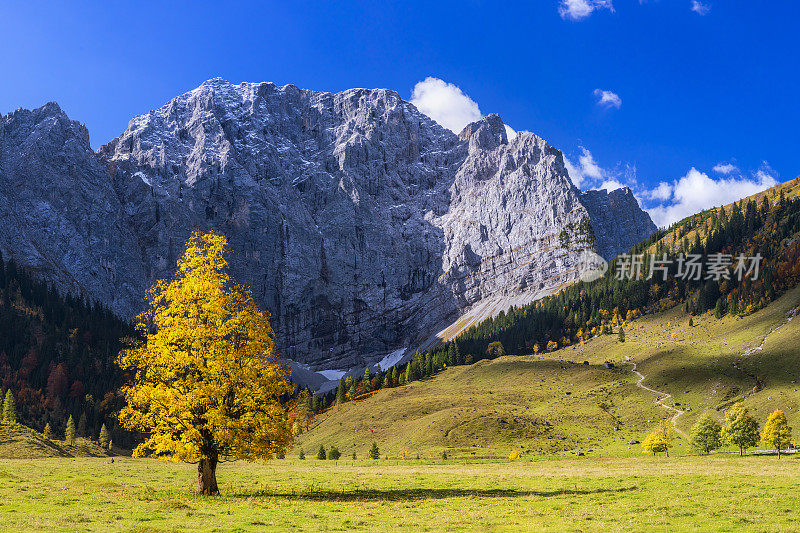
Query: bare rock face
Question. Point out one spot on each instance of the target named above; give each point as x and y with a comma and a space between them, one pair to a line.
61, 216
361, 224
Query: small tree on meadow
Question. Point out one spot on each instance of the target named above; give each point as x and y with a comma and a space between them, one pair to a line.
777, 432
495, 349
69, 433
48, 431
321, 455
301, 455
705, 434
621, 334
104, 438
374, 453
334, 453
660, 440
9, 408
740, 429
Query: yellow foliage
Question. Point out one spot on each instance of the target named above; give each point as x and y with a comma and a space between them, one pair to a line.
660, 440
777, 432
205, 384
513, 455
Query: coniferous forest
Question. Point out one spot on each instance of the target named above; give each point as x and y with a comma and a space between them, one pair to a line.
57, 357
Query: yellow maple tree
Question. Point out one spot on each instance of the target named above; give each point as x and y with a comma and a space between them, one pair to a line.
205, 386
777, 432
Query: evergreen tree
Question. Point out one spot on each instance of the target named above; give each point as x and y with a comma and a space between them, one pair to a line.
82, 425
621, 336
374, 453
104, 438
740, 429
301, 455
705, 434
395, 377
321, 455
48, 431
9, 408
334, 453
69, 433
777, 432
365, 381
691, 322
340, 392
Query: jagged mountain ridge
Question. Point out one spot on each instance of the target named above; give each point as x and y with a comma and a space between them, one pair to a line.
361, 224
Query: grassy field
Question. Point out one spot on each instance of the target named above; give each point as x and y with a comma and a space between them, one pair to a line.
717, 493
554, 403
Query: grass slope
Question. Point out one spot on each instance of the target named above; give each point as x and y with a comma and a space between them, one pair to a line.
18, 441
553, 403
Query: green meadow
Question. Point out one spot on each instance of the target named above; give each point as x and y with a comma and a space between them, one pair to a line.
718, 493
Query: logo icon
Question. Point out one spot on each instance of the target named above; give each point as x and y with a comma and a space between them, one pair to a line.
591, 266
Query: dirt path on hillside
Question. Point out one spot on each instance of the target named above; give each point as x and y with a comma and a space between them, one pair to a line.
750, 351
660, 401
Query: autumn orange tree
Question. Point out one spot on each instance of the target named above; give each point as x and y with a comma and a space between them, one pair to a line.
205, 386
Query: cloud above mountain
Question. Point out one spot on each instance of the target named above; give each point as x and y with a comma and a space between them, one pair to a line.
696, 191
448, 105
445, 103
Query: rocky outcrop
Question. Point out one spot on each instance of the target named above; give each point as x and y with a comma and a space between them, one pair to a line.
361, 224
618, 220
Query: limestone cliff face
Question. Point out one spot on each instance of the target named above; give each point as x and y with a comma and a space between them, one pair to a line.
361, 224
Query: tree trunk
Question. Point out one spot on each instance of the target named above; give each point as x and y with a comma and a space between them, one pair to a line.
741, 451
207, 476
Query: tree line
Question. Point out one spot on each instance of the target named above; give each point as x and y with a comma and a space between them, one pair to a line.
739, 429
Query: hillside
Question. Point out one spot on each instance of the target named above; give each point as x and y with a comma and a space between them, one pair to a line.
554, 403
20, 442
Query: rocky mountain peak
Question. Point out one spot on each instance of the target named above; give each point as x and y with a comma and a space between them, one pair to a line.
362, 225
485, 134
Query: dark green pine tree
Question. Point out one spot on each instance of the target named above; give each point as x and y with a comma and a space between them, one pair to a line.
395, 376
82, 425
321, 455
374, 453
340, 393
365, 381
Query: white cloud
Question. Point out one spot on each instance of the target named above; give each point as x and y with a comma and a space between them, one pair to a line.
574, 172
608, 99
589, 166
511, 133
663, 192
700, 8
695, 192
580, 9
725, 168
611, 185
445, 103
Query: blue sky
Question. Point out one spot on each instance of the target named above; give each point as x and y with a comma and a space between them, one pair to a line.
649, 93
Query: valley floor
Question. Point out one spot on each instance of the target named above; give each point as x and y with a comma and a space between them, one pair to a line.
722, 492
